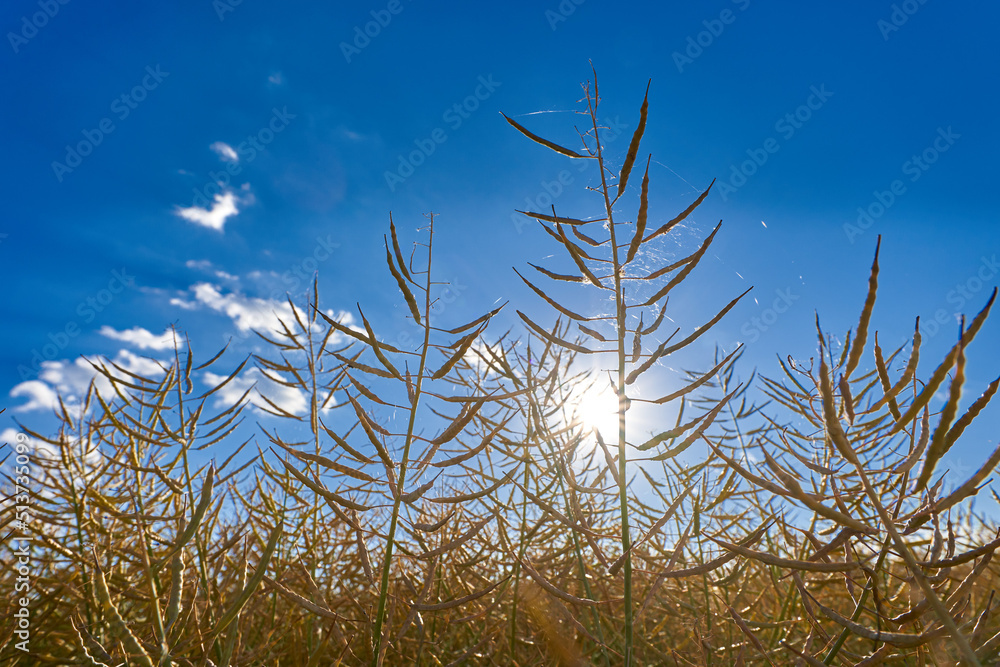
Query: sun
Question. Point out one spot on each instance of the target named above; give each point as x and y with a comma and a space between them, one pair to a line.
598, 408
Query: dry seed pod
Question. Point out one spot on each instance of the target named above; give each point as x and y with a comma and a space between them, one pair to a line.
92, 649
861, 338
192, 526
684, 214
114, 619
251, 585
544, 142
411, 302
939, 442
633, 147
176, 588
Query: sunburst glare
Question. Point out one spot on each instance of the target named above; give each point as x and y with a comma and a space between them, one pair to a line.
598, 408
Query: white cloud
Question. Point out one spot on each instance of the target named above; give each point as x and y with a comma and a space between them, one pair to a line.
198, 264
277, 78
251, 313
214, 218
289, 399
225, 151
181, 303
12, 438
246, 312
141, 338
40, 395
70, 379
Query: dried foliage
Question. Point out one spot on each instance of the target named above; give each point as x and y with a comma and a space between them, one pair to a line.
448, 505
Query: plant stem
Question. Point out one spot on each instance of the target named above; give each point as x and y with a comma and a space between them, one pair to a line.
621, 332
390, 540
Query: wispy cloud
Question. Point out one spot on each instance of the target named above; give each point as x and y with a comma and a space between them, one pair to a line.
141, 338
215, 217
352, 135
225, 152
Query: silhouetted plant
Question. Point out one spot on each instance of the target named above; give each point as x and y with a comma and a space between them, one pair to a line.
860, 483
603, 251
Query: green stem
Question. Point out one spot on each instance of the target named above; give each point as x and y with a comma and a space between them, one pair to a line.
390, 540
621, 333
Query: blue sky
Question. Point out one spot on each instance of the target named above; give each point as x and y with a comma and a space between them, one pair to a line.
188, 163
